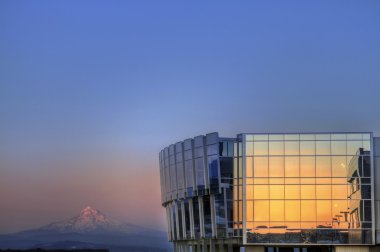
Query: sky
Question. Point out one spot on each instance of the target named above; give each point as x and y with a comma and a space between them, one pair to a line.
91, 91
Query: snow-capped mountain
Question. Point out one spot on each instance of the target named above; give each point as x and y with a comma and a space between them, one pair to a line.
91, 220
92, 229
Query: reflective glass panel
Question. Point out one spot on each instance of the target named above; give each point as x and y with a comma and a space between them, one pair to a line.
261, 192
276, 166
353, 147
260, 167
276, 191
307, 191
307, 166
308, 210
324, 211
276, 148
277, 210
249, 166
323, 191
260, 148
292, 167
338, 147
338, 165
323, 148
323, 166
261, 210
292, 210
292, 191
307, 148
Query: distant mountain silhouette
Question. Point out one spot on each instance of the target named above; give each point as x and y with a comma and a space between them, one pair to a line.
90, 229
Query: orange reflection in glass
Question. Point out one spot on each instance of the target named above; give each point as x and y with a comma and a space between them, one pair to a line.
307, 166
249, 167
292, 167
292, 210
324, 211
323, 191
323, 168
261, 191
307, 191
249, 210
308, 210
277, 210
292, 148
322, 147
276, 148
249, 192
276, 166
292, 192
276, 191
339, 191
307, 148
260, 148
338, 166
261, 210
260, 167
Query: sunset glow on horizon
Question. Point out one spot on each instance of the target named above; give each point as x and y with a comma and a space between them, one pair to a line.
91, 91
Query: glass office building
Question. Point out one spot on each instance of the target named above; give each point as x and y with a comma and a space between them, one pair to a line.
273, 192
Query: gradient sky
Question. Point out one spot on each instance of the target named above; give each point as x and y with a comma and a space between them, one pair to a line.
90, 91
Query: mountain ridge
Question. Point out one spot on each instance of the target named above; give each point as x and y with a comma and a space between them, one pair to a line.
91, 228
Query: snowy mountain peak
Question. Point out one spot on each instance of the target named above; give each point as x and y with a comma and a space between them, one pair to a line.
90, 220
91, 213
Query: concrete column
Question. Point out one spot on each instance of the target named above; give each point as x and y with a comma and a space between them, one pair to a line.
212, 245
199, 246
221, 246
230, 248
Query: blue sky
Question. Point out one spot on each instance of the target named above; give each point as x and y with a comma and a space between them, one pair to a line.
115, 81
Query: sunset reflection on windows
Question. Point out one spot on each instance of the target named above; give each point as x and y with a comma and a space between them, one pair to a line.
304, 184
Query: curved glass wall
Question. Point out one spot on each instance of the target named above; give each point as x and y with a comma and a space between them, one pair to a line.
196, 187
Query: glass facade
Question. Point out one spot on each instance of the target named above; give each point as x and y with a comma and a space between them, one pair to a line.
271, 189
196, 187
306, 188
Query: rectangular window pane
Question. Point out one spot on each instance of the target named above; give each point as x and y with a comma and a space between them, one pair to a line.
307, 191
249, 166
276, 191
260, 148
307, 166
261, 210
323, 191
292, 167
338, 147
276, 166
339, 165
308, 210
261, 191
339, 191
292, 148
249, 210
323, 166
292, 210
292, 192
249, 148
277, 210
260, 167
307, 148
276, 148
324, 211
323, 148
353, 147
249, 192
